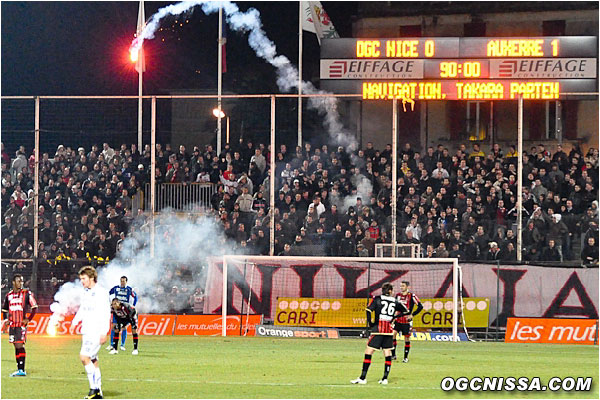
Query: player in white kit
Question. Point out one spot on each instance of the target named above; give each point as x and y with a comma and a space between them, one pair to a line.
94, 315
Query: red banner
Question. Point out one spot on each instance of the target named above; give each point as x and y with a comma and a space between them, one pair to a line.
552, 330
161, 325
148, 324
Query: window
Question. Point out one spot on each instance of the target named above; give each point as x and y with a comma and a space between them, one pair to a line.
553, 28
477, 120
474, 29
410, 31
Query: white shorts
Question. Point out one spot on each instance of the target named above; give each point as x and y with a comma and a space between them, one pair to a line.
90, 346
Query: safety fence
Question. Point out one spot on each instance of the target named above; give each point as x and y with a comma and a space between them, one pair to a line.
184, 197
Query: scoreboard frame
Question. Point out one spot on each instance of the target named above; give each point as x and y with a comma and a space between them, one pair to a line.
440, 68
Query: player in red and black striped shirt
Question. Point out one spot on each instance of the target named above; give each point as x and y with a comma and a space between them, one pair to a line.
13, 312
380, 316
403, 323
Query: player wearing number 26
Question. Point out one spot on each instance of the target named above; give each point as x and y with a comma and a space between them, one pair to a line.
380, 316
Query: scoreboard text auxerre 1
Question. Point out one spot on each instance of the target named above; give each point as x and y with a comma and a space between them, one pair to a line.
540, 68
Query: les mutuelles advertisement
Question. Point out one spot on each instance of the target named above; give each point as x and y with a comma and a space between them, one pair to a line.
350, 313
162, 324
552, 330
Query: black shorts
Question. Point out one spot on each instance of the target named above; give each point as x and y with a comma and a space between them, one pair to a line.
17, 334
123, 322
381, 342
404, 329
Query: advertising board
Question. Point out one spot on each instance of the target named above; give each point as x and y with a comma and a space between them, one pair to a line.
552, 330
345, 313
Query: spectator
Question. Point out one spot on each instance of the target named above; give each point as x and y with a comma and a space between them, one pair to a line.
362, 251
493, 253
457, 252
347, 245
259, 159
589, 254
550, 252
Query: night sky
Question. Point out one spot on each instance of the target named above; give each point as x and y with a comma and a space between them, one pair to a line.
80, 48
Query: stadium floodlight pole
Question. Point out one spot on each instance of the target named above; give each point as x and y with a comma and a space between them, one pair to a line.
300, 4
140, 65
153, 174
220, 78
36, 193
272, 177
520, 179
140, 111
394, 172
36, 179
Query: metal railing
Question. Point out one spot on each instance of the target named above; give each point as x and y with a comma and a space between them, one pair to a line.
188, 197
402, 250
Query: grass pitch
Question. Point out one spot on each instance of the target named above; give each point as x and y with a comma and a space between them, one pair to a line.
214, 367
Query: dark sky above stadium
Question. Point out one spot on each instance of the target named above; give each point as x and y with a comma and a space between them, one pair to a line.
80, 48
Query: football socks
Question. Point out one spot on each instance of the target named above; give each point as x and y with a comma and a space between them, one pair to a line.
388, 366
116, 340
90, 369
20, 357
366, 364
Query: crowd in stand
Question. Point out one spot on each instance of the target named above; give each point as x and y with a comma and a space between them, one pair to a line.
328, 202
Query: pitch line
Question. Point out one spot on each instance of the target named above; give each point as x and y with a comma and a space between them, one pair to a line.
341, 385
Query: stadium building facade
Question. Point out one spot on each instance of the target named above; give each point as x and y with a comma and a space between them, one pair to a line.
568, 119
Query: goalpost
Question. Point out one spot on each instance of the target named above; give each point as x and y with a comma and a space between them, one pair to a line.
323, 277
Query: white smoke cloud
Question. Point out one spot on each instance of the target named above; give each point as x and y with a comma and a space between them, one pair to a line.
287, 74
182, 244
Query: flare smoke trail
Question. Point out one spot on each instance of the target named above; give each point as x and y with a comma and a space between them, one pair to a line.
287, 74
179, 247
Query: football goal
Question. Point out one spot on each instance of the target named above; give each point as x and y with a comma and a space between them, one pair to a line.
327, 291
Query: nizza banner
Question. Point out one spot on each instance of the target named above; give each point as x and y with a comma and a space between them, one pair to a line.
524, 291
343, 313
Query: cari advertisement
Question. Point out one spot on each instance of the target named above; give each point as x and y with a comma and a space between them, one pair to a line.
308, 311
552, 330
437, 312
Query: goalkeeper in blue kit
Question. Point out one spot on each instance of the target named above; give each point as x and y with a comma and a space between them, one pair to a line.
125, 294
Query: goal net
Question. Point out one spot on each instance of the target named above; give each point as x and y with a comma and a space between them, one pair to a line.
327, 291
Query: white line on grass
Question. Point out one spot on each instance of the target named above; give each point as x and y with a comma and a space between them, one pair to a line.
341, 385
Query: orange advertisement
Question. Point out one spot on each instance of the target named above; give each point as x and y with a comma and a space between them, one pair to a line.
148, 324
211, 325
551, 330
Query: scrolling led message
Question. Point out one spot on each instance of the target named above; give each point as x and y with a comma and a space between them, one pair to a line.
461, 90
462, 68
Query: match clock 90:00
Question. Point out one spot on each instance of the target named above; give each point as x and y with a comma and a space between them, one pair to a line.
465, 69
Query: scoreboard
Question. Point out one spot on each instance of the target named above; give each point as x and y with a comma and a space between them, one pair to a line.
541, 68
